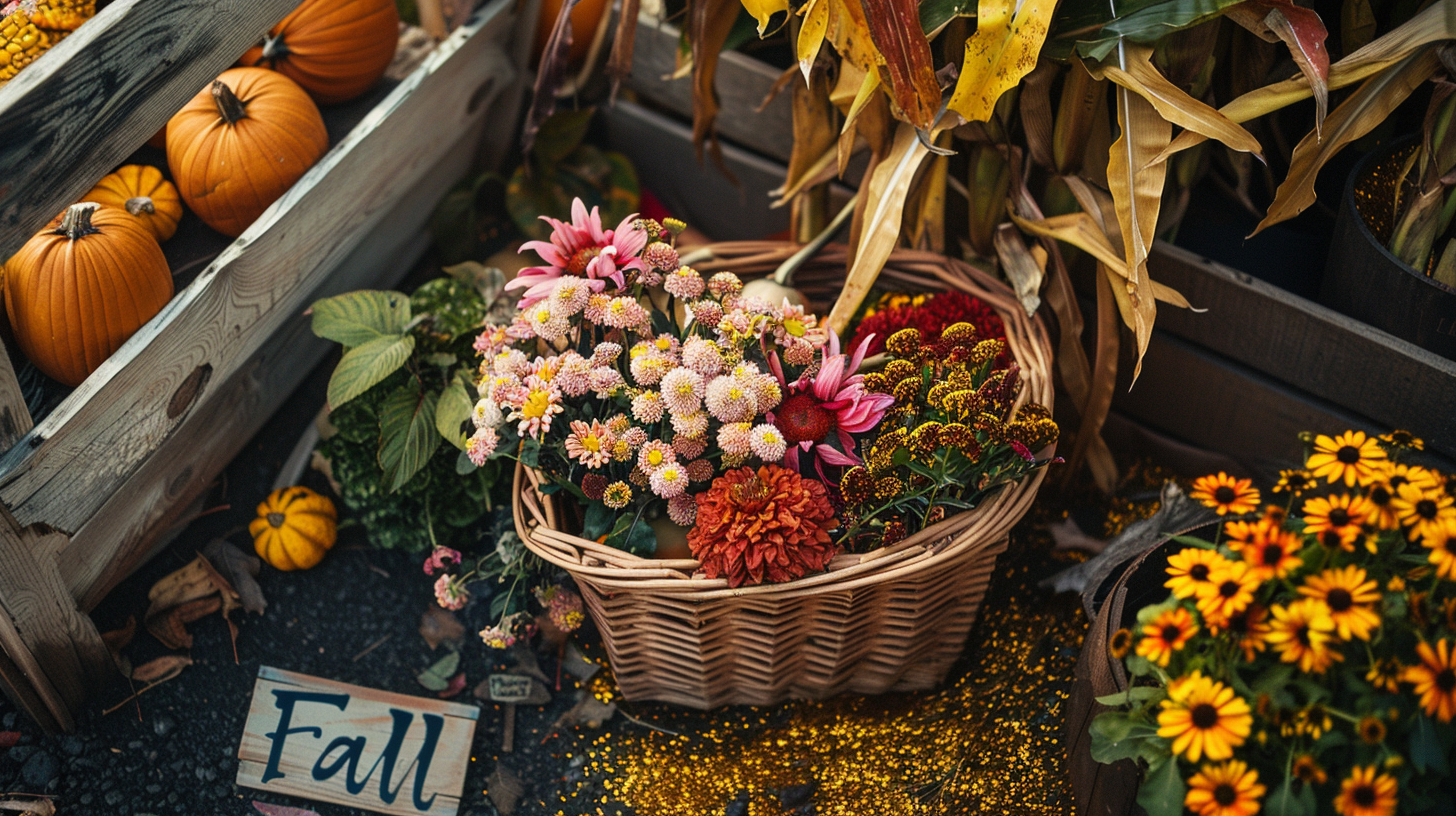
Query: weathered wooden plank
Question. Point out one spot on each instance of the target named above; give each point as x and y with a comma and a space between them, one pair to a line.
742, 82
15, 419
1314, 349
137, 398
89, 102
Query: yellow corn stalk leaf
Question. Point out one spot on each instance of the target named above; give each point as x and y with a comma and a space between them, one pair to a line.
764, 10
1082, 231
1137, 193
811, 34
888, 186
1003, 50
849, 33
1173, 103
1423, 29
1367, 107
867, 89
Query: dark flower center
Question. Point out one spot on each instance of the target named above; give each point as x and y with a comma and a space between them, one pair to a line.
1446, 680
1302, 635
803, 419
1379, 496
1426, 508
1330, 539
1297, 480
1239, 624
1339, 600
1349, 454
1229, 589
1224, 494
1339, 517
1272, 554
1170, 633
1364, 796
1225, 794
1451, 544
1397, 481
1121, 640
578, 263
1204, 715
1198, 572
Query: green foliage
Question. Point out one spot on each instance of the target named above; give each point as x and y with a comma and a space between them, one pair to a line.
355, 318
407, 435
1162, 792
363, 367
562, 167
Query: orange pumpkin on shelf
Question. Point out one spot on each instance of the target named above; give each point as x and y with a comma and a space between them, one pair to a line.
141, 190
79, 288
335, 49
241, 143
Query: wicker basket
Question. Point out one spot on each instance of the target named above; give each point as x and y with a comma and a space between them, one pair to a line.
893, 619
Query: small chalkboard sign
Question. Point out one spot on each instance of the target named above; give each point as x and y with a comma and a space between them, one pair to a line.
510, 688
368, 749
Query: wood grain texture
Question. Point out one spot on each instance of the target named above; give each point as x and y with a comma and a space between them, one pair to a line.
1315, 349
367, 714
66, 120
255, 286
15, 420
742, 83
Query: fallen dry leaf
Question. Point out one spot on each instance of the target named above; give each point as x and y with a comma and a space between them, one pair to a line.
191, 592
454, 687
118, 639
241, 570
440, 626
504, 789
38, 806
163, 668
281, 810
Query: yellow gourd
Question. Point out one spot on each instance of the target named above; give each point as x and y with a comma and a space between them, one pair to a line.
142, 191
294, 528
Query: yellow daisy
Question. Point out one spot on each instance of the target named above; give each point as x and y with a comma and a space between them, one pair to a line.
1272, 553
1250, 626
1226, 789
1342, 515
1350, 457
1434, 679
1423, 478
1385, 674
1307, 770
1203, 717
1166, 634
1225, 494
1190, 568
1350, 597
1363, 793
1294, 481
1229, 591
1403, 439
1422, 510
1441, 541
1302, 633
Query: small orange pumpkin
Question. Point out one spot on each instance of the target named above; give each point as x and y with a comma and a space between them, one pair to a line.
241, 143
141, 190
335, 49
78, 289
294, 528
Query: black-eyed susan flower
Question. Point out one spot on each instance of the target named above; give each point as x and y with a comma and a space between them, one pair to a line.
1225, 789
1166, 634
1225, 494
1364, 793
1190, 568
1423, 478
1342, 514
1203, 718
1294, 481
1385, 674
1350, 457
1371, 730
1381, 497
1302, 633
1308, 770
1120, 643
1311, 721
1351, 599
1422, 511
1229, 591
1250, 626
1434, 679
1272, 553
1405, 440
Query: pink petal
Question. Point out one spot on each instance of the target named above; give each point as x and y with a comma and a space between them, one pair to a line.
859, 353
826, 382
532, 275
547, 250
834, 457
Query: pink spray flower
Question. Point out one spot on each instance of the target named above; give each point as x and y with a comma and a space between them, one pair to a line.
584, 249
832, 403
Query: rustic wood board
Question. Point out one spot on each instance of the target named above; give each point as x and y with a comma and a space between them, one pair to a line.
211, 329
89, 102
330, 742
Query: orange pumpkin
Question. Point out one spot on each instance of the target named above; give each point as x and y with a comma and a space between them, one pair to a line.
335, 49
141, 190
294, 528
78, 289
241, 143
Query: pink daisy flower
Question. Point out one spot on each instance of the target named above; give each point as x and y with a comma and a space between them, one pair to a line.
591, 445
654, 455
682, 391
669, 480
831, 403
583, 248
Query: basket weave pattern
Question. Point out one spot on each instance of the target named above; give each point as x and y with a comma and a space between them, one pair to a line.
893, 619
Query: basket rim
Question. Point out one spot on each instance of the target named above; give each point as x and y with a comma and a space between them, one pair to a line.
959, 537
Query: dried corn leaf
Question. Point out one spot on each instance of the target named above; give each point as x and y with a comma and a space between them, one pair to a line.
849, 33
1355, 117
1082, 231
811, 34
1003, 50
1021, 268
709, 22
1173, 103
764, 10
894, 27
1136, 185
1082, 99
1304, 32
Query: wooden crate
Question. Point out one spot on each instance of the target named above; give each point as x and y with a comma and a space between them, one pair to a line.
89, 492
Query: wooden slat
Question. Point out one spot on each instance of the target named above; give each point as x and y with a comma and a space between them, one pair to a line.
1312, 348
442, 707
64, 470
742, 82
85, 105
15, 420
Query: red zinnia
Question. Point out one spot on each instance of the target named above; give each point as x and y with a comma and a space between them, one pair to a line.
765, 525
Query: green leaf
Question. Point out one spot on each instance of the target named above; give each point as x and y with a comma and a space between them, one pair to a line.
1426, 752
561, 134
598, 520
454, 411
463, 465
1152, 24
407, 436
366, 365
641, 540
1284, 802
1135, 694
1162, 793
355, 318
437, 677
1139, 666
936, 13
1122, 735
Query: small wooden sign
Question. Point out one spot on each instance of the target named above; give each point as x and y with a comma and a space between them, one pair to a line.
510, 688
369, 749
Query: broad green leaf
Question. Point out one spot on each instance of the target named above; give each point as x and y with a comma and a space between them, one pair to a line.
764, 10
1001, 52
1367, 107
1426, 750
598, 521
1135, 694
437, 677
1150, 24
364, 366
936, 13
1162, 793
355, 318
407, 435
453, 411
1283, 801
1173, 103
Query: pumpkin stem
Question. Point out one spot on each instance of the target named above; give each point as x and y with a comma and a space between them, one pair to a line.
275, 519
139, 205
229, 105
274, 47
76, 222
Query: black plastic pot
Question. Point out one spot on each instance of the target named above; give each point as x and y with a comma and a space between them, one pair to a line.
1365, 281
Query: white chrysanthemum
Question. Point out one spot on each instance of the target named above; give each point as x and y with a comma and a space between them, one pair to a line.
487, 414
735, 439
732, 400
569, 296
691, 424
670, 480
768, 442
510, 361
682, 391
702, 355
647, 407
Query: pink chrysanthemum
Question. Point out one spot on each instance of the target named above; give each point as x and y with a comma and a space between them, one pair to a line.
496, 637
683, 282
799, 352
450, 593
510, 361
574, 375
542, 402
768, 442
683, 510
669, 480
649, 367
702, 355
725, 285
647, 407
706, 312
682, 391
441, 559
767, 391
689, 447
582, 248
492, 340
596, 308
667, 344
481, 445
654, 455
605, 381
661, 257
731, 400
700, 470
569, 295
635, 437
591, 445
736, 439
605, 354
831, 402
624, 313
792, 324
694, 423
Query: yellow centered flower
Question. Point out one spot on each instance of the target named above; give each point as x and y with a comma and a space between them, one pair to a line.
1363, 793
1302, 633
1350, 597
1167, 633
1225, 494
536, 404
654, 457
1434, 679
1226, 789
1190, 568
794, 326
1203, 717
1441, 541
1350, 457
